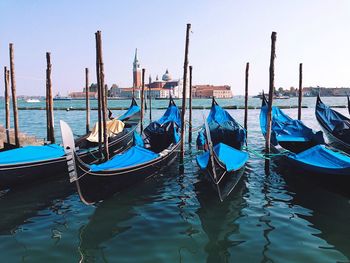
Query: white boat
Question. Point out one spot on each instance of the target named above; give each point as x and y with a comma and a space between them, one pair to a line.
32, 100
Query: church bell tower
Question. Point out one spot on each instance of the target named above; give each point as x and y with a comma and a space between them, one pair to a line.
136, 72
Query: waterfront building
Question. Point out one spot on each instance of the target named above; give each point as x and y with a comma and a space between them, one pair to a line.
209, 91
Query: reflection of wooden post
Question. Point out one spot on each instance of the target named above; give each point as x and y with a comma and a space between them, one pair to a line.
99, 117
183, 110
87, 98
142, 99
150, 98
300, 89
271, 89
50, 124
190, 110
103, 95
14, 97
246, 98
7, 103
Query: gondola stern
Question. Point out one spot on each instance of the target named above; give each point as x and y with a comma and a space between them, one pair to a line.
69, 148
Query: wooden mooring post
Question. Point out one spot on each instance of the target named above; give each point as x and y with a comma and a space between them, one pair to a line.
14, 96
99, 110
7, 103
300, 90
49, 100
87, 100
246, 98
190, 109
150, 98
103, 96
183, 109
142, 99
271, 89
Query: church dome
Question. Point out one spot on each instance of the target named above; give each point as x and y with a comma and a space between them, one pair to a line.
166, 76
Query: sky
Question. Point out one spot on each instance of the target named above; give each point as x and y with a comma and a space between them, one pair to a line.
225, 35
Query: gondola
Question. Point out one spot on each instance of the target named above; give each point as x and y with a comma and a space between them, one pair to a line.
348, 104
335, 125
301, 146
157, 149
35, 163
223, 160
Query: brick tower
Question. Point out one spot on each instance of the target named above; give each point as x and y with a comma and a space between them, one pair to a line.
136, 72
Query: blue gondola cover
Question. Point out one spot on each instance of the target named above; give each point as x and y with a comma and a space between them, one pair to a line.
28, 154
231, 157
134, 156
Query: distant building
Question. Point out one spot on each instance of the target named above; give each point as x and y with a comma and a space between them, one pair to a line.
81, 94
137, 81
209, 91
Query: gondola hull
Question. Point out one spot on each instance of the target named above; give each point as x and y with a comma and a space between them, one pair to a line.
23, 173
96, 186
226, 181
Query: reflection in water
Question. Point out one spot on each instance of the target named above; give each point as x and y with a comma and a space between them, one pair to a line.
329, 202
218, 219
114, 217
17, 206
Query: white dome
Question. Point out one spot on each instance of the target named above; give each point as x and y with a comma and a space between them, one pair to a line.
166, 76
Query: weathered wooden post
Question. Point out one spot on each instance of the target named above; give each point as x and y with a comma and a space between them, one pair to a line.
190, 109
99, 117
142, 99
14, 97
246, 98
7, 103
49, 100
183, 109
271, 89
150, 98
87, 100
300, 90
103, 96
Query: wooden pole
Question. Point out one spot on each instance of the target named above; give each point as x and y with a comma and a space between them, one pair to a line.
246, 98
142, 99
103, 96
99, 117
150, 98
190, 109
49, 99
183, 110
300, 90
271, 89
87, 100
7, 103
14, 97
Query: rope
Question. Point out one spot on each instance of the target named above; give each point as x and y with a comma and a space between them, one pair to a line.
265, 156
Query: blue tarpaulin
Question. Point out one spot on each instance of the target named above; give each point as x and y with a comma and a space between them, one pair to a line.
223, 129
134, 156
286, 129
28, 154
231, 157
172, 114
334, 122
134, 108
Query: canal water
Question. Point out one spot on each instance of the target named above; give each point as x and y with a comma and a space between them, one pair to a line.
284, 216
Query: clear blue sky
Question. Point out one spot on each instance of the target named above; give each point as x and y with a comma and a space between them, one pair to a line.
226, 35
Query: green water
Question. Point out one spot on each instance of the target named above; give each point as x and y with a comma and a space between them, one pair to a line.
281, 217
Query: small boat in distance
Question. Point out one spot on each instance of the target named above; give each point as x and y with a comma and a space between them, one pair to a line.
334, 124
223, 161
59, 97
31, 100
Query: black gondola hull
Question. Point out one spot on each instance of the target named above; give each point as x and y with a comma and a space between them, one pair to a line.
24, 173
94, 187
225, 181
